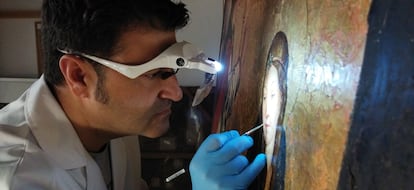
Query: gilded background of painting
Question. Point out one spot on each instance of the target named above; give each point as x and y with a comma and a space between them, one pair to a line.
326, 45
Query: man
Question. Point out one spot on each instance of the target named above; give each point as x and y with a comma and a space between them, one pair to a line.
77, 126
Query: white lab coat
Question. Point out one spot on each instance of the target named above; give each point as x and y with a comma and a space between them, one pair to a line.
39, 149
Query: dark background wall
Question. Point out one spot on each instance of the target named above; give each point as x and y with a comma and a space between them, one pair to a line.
380, 148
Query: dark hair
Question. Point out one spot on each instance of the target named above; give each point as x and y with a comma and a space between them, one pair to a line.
95, 26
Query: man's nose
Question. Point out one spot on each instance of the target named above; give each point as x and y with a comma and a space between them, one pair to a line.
171, 89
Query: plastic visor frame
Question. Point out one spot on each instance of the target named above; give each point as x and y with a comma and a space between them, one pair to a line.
181, 55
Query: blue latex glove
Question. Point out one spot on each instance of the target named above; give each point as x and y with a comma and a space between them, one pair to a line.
219, 163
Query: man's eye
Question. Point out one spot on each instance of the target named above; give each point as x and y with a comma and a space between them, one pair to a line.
162, 74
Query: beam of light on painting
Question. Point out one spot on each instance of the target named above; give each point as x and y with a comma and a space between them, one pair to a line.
329, 76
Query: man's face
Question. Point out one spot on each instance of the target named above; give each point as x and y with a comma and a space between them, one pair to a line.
139, 106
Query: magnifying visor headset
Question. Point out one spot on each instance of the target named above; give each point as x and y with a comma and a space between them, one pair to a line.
181, 55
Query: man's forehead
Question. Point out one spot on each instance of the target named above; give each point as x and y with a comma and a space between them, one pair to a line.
137, 46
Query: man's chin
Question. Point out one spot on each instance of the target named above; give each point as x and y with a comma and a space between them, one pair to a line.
156, 132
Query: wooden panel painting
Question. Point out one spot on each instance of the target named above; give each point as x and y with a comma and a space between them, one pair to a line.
326, 41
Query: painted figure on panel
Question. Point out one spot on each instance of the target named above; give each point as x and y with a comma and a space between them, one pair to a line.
273, 107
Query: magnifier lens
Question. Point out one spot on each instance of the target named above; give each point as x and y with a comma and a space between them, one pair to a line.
204, 90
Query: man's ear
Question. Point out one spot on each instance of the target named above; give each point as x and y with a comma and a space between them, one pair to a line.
78, 75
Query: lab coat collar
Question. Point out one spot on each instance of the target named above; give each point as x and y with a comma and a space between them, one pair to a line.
118, 155
52, 128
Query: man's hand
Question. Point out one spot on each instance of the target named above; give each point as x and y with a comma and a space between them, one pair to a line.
219, 163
